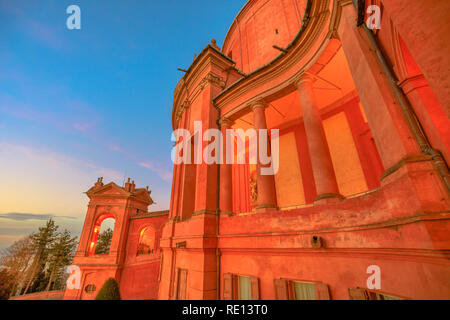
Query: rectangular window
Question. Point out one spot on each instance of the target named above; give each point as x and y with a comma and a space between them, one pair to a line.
364, 294
387, 297
236, 287
304, 290
245, 292
300, 290
181, 284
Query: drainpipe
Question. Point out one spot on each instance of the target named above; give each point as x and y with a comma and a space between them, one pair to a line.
218, 254
405, 105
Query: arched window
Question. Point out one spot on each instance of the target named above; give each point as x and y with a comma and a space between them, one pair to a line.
102, 235
146, 243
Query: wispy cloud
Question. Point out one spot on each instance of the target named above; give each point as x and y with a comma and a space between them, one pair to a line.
31, 216
161, 170
84, 121
163, 173
58, 159
79, 116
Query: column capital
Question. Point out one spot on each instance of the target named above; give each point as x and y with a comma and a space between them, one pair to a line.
226, 122
259, 103
304, 77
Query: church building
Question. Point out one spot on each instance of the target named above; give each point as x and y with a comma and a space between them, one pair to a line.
359, 206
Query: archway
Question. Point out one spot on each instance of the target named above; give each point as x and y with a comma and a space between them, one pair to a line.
146, 243
102, 235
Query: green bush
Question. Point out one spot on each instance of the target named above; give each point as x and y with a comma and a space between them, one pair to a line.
109, 291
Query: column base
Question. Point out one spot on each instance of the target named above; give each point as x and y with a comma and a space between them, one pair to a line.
327, 198
266, 208
227, 212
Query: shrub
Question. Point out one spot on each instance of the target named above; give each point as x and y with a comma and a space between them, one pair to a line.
109, 291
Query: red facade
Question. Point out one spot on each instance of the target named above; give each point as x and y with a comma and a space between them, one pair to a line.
136, 268
359, 208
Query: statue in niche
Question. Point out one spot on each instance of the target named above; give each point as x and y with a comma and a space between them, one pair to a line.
253, 190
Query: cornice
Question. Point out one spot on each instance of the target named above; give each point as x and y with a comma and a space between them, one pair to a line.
320, 24
213, 79
150, 215
196, 73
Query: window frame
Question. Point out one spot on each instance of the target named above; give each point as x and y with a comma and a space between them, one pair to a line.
368, 294
231, 291
285, 289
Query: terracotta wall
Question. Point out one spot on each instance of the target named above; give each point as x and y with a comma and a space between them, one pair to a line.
356, 233
400, 225
139, 277
261, 25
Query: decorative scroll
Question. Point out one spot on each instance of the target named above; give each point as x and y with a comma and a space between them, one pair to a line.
180, 110
212, 79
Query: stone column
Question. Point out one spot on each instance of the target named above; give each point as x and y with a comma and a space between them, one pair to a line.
226, 187
393, 138
429, 45
323, 171
267, 198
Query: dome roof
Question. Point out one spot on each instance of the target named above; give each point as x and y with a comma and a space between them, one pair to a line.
259, 26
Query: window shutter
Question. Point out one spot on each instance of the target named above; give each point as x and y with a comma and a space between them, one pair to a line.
322, 291
254, 285
175, 284
372, 295
357, 294
281, 289
182, 285
160, 267
228, 286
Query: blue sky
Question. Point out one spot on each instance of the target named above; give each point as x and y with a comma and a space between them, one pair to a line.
79, 104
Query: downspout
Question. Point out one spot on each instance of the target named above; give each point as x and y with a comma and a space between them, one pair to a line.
218, 253
218, 203
405, 105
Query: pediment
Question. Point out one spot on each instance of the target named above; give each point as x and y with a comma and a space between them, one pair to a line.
113, 190
108, 189
144, 195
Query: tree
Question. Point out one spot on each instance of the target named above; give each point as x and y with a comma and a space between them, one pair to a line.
104, 241
6, 284
109, 291
41, 243
40, 282
38, 262
17, 260
60, 255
